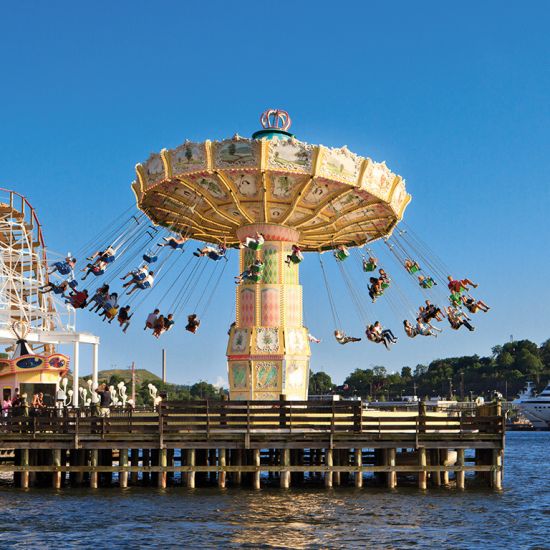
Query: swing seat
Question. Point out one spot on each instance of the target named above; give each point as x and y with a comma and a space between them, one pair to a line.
256, 269
341, 255
255, 278
413, 269
144, 286
385, 285
174, 245
427, 283
112, 312
455, 298
63, 268
295, 259
254, 245
109, 259
368, 266
73, 284
58, 290
215, 256
98, 272
150, 258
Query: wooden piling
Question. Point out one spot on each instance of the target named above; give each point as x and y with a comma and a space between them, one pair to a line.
285, 474
496, 469
460, 474
162, 462
422, 476
391, 478
93, 464
444, 457
359, 464
222, 475
191, 473
329, 464
56, 474
24, 460
257, 461
123, 463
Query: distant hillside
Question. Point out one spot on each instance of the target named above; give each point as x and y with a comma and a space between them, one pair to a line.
142, 375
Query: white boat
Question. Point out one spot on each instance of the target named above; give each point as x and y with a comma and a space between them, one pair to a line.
536, 408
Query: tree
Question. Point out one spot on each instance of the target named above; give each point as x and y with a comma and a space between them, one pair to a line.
544, 353
320, 383
505, 360
379, 371
406, 373
420, 370
528, 363
204, 390
360, 381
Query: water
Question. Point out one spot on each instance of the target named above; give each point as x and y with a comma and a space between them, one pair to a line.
519, 517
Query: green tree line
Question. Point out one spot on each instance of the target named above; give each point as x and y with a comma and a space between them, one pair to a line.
506, 370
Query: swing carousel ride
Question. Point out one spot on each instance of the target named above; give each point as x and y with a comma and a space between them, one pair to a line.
273, 198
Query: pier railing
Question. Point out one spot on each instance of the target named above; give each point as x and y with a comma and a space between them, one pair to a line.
211, 420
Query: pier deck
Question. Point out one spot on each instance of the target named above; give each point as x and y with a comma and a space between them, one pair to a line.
211, 440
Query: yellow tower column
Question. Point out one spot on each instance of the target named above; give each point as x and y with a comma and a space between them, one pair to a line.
268, 351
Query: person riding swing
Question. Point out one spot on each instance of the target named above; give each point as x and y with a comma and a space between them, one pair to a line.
426, 282
295, 256
411, 266
64, 268
254, 243
253, 273
213, 253
192, 323
175, 243
370, 264
343, 339
341, 253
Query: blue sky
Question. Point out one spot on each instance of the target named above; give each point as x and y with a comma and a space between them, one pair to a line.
455, 100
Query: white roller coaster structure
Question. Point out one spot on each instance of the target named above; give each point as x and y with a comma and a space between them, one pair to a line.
23, 271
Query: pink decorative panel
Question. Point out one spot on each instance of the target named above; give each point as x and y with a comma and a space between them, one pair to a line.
293, 306
247, 307
271, 308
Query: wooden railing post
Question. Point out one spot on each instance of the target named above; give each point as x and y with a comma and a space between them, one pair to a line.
358, 416
282, 411
223, 413
207, 418
161, 428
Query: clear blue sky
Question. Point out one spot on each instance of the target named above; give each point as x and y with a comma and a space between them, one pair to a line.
454, 97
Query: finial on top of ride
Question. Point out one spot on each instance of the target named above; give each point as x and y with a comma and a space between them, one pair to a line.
275, 124
213, 190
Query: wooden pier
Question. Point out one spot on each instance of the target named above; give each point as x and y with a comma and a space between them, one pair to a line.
253, 443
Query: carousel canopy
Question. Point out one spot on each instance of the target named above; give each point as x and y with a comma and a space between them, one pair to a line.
208, 190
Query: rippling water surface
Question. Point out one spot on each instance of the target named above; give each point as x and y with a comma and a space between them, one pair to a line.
519, 517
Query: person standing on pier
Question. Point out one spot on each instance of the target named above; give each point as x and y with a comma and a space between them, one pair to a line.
105, 400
